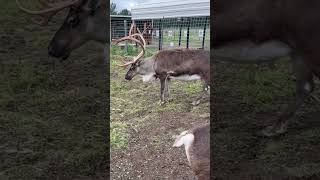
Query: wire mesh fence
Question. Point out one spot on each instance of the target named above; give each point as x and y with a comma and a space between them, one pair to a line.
167, 33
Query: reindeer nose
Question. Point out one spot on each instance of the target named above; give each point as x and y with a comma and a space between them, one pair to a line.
51, 51
56, 51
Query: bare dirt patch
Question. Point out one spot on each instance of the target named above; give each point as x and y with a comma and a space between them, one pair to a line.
150, 154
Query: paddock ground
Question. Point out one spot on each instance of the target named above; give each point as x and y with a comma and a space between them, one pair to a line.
142, 131
248, 98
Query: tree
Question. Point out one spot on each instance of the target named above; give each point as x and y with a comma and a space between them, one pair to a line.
125, 12
113, 9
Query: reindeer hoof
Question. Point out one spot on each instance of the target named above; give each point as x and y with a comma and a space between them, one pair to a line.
162, 103
195, 103
271, 131
169, 100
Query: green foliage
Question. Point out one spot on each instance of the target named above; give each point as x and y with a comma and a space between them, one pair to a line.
125, 12
113, 7
113, 10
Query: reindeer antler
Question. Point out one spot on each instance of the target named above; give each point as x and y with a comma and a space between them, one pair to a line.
140, 41
146, 29
50, 9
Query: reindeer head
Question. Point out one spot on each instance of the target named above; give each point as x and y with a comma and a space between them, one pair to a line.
85, 21
137, 64
133, 71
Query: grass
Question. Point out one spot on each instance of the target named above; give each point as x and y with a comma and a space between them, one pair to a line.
301, 171
118, 135
258, 86
247, 99
194, 88
51, 112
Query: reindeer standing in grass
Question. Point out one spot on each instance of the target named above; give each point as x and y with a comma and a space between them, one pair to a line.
179, 64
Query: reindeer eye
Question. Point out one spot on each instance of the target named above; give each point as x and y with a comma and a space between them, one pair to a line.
73, 21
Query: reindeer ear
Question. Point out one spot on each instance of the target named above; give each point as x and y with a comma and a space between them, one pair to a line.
92, 6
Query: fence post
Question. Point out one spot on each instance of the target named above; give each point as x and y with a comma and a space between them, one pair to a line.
180, 29
204, 32
188, 32
151, 31
160, 34
125, 34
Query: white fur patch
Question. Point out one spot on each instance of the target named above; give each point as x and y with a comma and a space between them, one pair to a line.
186, 77
185, 139
148, 77
179, 142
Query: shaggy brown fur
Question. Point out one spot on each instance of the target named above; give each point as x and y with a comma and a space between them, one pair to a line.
293, 22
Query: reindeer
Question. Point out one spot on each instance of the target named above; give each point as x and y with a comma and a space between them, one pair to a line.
176, 64
147, 33
86, 20
196, 142
267, 29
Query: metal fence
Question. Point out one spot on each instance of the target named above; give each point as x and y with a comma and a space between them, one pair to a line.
166, 33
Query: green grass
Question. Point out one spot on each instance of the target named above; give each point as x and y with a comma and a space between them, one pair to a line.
194, 88
118, 135
51, 112
301, 171
259, 86
250, 97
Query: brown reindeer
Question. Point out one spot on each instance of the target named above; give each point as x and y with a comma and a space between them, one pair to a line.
86, 20
147, 35
266, 29
179, 64
196, 142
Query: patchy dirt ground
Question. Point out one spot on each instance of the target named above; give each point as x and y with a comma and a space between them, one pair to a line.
248, 98
142, 131
51, 112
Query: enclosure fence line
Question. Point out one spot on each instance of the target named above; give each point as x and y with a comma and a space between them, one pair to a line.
167, 33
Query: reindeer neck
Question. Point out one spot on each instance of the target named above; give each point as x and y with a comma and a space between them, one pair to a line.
146, 66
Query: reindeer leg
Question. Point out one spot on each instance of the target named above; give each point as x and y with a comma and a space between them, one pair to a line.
167, 89
162, 89
304, 87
